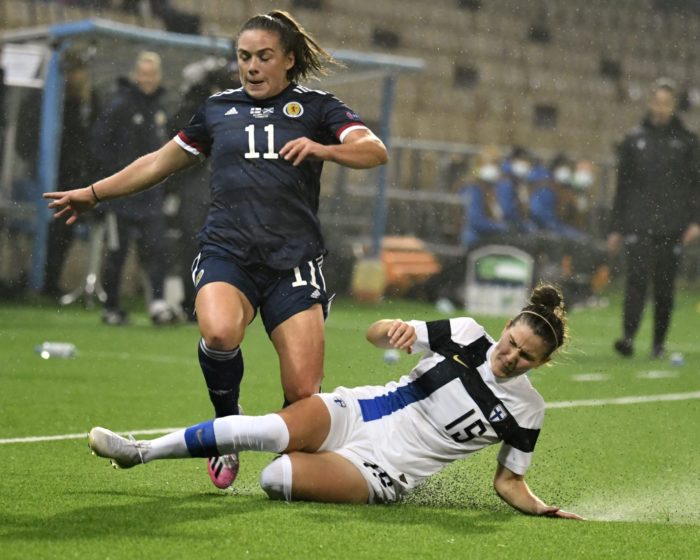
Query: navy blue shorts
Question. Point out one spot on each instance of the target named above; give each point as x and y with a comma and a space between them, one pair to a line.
279, 294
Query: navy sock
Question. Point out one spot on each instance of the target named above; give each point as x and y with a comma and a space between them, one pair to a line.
223, 372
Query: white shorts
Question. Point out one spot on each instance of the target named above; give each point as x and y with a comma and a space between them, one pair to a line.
348, 438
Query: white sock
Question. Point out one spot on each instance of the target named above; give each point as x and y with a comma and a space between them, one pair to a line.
276, 479
230, 434
251, 433
170, 446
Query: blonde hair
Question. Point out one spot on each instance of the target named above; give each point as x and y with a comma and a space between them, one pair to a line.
149, 57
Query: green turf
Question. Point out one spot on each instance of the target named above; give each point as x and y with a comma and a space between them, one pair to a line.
633, 470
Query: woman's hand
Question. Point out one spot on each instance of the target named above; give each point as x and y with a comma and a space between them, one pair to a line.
360, 149
401, 336
553, 511
71, 203
513, 490
392, 333
300, 149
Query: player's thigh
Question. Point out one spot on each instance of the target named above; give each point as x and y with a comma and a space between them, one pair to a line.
327, 477
223, 313
309, 423
300, 343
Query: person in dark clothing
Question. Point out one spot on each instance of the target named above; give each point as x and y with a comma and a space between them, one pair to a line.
483, 217
3, 110
134, 124
81, 106
655, 212
513, 191
191, 187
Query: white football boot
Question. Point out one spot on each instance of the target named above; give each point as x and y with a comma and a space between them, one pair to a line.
123, 453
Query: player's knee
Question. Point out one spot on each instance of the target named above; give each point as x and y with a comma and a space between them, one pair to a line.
276, 479
300, 391
221, 338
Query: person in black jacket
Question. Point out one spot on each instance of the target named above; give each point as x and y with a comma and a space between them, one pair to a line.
81, 106
655, 212
191, 187
134, 124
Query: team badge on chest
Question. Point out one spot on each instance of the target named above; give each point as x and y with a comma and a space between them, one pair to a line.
293, 109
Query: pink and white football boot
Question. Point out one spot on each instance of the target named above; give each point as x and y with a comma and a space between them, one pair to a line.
224, 470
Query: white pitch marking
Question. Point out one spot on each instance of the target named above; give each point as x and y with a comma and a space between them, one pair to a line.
657, 374
557, 404
34, 439
626, 400
590, 377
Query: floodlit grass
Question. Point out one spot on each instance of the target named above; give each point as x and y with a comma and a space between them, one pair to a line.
631, 469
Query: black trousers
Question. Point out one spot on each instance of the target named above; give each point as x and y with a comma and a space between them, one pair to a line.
655, 260
60, 238
149, 234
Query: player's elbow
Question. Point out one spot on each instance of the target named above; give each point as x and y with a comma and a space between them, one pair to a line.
382, 155
375, 153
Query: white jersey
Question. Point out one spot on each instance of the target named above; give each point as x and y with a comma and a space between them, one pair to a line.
450, 406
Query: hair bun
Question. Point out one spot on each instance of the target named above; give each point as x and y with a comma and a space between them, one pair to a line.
547, 296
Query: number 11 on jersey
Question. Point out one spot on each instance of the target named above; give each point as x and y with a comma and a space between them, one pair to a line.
251, 153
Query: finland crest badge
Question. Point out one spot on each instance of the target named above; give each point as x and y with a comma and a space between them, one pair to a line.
498, 413
293, 109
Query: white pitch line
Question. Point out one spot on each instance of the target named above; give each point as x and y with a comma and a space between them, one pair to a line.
556, 404
626, 400
35, 439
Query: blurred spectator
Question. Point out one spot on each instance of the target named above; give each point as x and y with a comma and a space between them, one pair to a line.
76, 164
483, 217
513, 193
3, 109
655, 212
548, 192
562, 180
174, 19
582, 184
191, 187
134, 124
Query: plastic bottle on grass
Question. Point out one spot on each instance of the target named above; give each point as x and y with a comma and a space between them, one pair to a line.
677, 359
56, 350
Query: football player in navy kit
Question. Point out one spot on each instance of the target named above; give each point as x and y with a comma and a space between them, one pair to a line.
261, 245
376, 444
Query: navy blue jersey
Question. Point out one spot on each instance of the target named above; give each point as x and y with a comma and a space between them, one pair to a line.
264, 210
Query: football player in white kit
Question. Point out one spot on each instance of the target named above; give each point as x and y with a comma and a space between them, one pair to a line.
377, 443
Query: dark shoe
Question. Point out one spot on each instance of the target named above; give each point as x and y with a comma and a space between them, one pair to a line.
658, 352
624, 347
115, 317
52, 292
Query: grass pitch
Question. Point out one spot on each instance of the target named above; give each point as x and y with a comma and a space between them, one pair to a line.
632, 469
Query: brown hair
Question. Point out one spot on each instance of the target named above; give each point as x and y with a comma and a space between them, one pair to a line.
310, 59
546, 316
